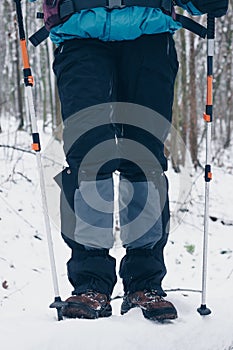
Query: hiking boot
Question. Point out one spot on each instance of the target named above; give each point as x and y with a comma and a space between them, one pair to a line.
88, 305
153, 306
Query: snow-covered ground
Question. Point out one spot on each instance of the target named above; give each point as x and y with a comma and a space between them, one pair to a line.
26, 322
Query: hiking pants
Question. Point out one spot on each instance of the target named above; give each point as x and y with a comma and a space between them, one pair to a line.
93, 77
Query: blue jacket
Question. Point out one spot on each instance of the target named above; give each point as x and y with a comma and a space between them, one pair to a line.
119, 24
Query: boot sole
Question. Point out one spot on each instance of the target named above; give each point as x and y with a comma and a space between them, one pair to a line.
158, 315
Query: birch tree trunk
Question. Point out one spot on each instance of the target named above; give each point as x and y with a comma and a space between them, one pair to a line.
193, 103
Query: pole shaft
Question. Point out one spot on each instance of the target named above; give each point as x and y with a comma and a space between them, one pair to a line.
28, 80
208, 116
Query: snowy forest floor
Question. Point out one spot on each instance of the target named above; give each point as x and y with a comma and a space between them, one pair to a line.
26, 322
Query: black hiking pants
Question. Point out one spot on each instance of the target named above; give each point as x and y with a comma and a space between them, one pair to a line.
91, 73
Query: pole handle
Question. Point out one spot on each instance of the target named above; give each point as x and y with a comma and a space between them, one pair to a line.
28, 78
20, 19
210, 26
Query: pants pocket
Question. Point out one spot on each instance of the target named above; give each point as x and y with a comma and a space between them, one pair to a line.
140, 214
93, 206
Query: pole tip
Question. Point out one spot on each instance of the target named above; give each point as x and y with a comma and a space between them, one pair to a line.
203, 310
59, 305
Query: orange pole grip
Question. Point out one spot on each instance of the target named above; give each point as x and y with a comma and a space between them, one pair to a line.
206, 117
35, 147
24, 54
209, 99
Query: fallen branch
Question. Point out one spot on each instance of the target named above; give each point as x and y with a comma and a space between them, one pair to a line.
17, 149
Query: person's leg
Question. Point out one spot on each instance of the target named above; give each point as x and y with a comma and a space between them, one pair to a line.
151, 66
85, 76
147, 72
144, 232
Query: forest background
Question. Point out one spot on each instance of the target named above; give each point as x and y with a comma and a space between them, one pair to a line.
190, 91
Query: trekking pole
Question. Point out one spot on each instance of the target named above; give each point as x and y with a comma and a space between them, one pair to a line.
29, 82
208, 116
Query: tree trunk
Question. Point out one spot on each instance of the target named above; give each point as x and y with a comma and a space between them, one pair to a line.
18, 80
184, 99
193, 104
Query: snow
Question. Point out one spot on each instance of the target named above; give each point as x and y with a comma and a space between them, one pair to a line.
27, 323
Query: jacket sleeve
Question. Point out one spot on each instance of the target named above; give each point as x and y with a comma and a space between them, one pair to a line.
188, 6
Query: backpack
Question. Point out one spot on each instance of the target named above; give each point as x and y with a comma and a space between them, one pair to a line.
51, 13
56, 12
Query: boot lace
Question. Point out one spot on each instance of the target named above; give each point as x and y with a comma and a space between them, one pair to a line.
153, 296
